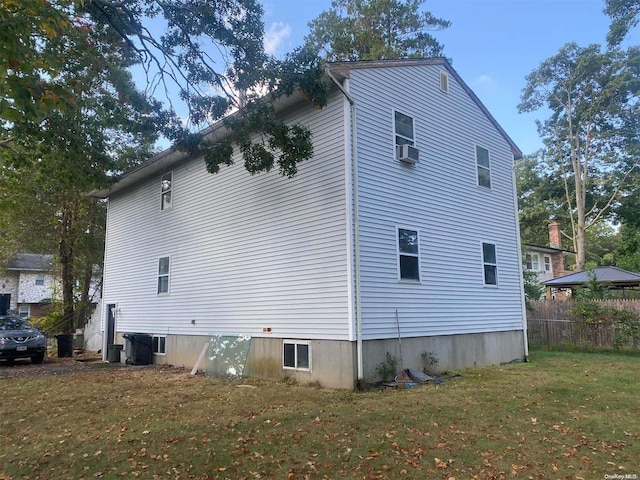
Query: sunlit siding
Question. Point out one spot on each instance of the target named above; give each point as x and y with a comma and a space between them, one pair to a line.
440, 198
247, 252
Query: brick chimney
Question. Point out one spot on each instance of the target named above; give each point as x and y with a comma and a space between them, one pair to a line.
555, 239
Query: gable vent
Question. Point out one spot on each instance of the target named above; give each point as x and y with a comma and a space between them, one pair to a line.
444, 82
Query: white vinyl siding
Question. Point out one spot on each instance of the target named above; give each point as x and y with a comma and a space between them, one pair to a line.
247, 251
440, 198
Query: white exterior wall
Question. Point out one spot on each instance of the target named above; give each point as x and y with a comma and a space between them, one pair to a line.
29, 292
440, 198
247, 252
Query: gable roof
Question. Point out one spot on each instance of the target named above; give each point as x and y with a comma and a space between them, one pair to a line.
163, 161
343, 68
31, 262
612, 276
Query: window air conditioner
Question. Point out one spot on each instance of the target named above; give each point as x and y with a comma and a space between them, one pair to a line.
407, 154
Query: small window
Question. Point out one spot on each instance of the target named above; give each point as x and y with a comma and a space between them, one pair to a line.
166, 188
40, 280
534, 262
404, 129
444, 82
547, 263
490, 264
164, 265
484, 167
296, 355
159, 344
408, 255
24, 311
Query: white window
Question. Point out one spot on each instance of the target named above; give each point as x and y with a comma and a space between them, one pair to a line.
164, 265
40, 280
484, 167
444, 82
408, 255
296, 355
403, 128
166, 189
24, 311
533, 262
159, 344
547, 263
490, 264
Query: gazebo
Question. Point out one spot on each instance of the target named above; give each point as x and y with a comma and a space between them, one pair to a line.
613, 278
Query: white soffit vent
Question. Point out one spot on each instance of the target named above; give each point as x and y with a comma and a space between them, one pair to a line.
407, 154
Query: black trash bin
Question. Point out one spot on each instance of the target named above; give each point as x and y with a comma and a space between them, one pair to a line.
65, 345
138, 348
113, 353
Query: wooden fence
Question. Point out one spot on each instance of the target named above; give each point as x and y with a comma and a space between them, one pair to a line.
551, 323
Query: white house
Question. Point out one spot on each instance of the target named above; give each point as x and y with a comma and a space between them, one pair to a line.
400, 235
28, 281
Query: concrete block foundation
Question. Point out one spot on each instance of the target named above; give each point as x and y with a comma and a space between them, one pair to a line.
334, 363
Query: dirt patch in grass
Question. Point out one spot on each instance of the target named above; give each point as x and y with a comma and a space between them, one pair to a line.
559, 416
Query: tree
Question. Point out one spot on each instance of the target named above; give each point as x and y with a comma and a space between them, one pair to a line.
540, 198
210, 54
625, 14
375, 30
59, 155
71, 117
592, 133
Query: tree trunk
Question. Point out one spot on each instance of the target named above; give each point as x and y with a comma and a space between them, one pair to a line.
65, 251
83, 306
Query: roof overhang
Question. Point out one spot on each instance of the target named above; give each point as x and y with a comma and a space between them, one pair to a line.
170, 157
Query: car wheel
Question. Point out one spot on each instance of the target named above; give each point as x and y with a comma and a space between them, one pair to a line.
39, 358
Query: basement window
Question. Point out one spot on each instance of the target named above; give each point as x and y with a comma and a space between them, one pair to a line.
159, 344
296, 355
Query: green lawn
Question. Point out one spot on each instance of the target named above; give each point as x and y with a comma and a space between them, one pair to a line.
562, 415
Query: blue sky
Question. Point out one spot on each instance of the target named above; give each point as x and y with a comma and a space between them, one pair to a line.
493, 44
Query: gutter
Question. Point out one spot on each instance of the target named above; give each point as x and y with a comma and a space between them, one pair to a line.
356, 225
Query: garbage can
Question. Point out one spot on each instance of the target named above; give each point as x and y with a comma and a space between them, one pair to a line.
113, 353
138, 348
65, 345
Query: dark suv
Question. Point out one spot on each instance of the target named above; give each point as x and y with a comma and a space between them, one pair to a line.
19, 339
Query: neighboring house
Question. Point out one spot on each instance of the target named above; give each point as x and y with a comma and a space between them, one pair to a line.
31, 281
403, 226
28, 282
547, 261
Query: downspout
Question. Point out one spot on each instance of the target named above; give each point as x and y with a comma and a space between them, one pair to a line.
525, 335
356, 226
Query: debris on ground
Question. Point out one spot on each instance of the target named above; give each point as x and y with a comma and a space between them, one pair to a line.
410, 377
